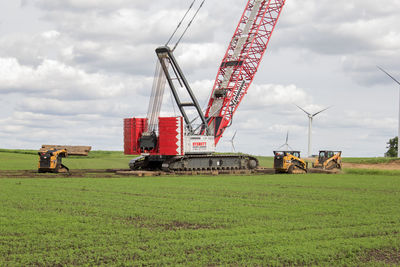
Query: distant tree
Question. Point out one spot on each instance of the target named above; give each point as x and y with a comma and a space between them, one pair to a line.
392, 147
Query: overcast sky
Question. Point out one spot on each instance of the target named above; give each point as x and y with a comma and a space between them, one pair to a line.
71, 70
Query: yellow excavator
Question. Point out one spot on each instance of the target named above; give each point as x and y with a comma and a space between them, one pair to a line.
328, 160
51, 161
289, 162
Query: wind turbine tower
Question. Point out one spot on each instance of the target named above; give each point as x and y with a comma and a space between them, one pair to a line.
310, 120
398, 133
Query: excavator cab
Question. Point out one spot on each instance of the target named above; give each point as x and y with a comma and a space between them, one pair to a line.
51, 161
289, 162
329, 160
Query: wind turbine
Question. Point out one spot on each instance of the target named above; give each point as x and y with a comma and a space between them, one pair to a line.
286, 143
398, 136
310, 119
231, 141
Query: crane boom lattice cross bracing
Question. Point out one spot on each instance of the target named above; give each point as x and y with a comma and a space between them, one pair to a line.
241, 62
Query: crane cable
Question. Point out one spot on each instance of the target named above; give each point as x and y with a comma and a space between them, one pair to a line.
189, 24
180, 23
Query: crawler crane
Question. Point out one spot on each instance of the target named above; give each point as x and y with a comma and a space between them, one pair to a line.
179, 143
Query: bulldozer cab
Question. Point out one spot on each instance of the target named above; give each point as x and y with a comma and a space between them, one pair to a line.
324, 155
329, 160
280, 157
50, 160
289, 162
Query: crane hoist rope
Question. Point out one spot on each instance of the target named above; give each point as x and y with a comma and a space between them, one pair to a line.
187, 26
156, 98
180, 22
159, 82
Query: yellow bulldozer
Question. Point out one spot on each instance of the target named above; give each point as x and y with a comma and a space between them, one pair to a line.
50, 157
328, 160
51, 161
289, 162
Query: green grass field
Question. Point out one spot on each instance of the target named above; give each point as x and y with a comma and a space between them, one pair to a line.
350, 219
376, 160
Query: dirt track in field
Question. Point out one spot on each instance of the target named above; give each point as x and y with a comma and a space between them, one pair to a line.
394, 165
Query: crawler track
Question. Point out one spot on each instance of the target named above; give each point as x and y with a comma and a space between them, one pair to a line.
195, 163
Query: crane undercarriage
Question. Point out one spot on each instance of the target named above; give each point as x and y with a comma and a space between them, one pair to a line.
195, 162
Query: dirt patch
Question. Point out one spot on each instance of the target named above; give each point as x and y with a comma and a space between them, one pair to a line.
388, 256
394, 165
139, 221
176, 225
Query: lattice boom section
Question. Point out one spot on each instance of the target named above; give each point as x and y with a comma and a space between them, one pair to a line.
241, 61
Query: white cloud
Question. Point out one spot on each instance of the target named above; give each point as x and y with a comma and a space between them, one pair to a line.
57, 80
365, 32
51, 34
276, 95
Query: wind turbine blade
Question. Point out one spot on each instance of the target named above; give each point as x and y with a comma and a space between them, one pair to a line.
281, 146
233, 137
321, 111
287, 137
389, 75
233, 146
303, 110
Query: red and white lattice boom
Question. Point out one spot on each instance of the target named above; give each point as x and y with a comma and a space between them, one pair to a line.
241, 62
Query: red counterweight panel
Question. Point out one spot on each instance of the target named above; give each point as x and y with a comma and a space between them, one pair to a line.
133, 129
170, 136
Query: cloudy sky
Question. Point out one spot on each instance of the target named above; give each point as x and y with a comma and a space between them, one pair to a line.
71, 70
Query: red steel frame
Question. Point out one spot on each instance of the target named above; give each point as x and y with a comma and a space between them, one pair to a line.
251, 55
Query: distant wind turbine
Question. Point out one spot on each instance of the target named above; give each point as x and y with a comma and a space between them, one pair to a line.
232, 140
310, 119
286, 143
398, 136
